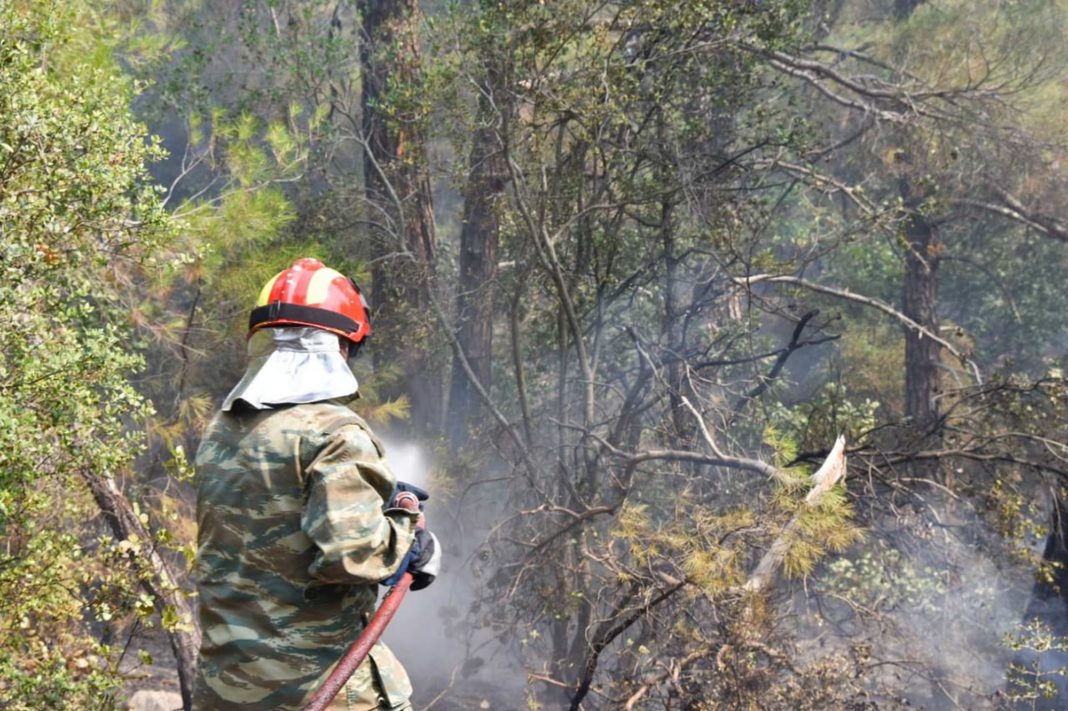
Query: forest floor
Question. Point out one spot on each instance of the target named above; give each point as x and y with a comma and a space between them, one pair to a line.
154, 686
151, 686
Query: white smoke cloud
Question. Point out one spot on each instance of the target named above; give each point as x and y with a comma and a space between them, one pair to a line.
428, 633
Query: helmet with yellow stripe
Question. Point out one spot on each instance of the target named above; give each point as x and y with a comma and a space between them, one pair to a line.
309, 293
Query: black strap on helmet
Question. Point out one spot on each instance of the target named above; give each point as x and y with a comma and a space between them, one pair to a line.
304, 314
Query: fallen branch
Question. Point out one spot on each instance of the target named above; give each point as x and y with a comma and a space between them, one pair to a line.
764, 575
829, 474
162, 584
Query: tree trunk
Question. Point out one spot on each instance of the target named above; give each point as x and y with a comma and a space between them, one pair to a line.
1049, 596
903, 9
161, 585
919, 301
922, 358
398, 186
669, 329
1049, 606
919, 293
479, 239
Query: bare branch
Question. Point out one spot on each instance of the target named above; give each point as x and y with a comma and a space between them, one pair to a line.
865, 301
1012, 208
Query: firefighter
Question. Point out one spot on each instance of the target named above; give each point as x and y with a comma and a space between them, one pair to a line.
295, 526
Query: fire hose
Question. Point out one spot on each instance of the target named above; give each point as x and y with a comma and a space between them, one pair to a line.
372, 632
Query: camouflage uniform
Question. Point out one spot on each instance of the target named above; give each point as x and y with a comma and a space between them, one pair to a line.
293, 541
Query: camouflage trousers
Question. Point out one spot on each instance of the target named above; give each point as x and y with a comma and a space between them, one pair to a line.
380, 683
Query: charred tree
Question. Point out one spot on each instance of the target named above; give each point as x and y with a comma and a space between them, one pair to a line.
397, 185
479, 240
919, 303
1049, 596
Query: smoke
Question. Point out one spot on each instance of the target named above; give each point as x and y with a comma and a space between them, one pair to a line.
936, 607
432, 633
408, 462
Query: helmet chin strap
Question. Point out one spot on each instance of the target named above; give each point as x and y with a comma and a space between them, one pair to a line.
350, 349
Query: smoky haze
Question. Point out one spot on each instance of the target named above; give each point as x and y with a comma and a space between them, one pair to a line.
453, 663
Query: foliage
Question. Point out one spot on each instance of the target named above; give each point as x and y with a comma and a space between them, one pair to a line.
260, 173
649, 178
631, 135
77, 215
1039, 666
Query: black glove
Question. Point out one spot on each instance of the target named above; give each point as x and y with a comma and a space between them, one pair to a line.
423, 561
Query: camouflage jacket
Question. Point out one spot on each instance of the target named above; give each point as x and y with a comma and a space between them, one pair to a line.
293, 541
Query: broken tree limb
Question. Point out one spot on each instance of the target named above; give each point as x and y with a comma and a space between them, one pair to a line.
161, 583
830, 473
763, 576
1013, 209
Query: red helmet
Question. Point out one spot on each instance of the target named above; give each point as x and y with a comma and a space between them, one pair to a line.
311, 294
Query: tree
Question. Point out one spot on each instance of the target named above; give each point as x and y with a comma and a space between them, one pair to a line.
926, 127
77, 217
479, 243
398, 188
629, 161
